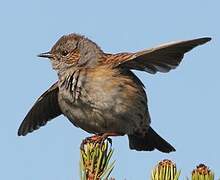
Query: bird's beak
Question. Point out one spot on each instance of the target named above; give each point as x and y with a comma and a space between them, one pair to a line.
45, 55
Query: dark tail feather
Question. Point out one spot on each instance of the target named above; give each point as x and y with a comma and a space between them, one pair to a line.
149, 142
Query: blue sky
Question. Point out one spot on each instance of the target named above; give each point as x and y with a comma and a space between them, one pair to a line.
184, 104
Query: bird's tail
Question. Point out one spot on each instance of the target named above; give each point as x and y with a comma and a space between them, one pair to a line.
149, 142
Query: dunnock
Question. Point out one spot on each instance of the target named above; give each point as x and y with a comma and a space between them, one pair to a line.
99, 93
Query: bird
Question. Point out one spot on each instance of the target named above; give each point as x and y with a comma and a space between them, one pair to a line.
99, 93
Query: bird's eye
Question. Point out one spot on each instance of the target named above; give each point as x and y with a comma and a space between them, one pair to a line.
64, 53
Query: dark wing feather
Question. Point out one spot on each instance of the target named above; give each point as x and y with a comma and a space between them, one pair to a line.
162, 58
45, 109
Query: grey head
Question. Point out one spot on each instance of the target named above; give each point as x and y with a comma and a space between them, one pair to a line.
73, 50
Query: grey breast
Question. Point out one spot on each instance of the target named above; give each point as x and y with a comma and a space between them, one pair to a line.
105, 101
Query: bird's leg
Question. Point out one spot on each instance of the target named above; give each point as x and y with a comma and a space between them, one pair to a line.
106, 136
99, 138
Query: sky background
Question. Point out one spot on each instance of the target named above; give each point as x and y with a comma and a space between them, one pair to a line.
184, 104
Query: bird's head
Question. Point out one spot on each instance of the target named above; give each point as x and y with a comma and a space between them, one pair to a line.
73, 50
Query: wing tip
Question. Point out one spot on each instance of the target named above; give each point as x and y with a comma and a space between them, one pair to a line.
204, 40
208, 38
21, 132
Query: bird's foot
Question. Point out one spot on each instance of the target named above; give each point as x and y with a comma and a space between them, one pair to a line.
98, 139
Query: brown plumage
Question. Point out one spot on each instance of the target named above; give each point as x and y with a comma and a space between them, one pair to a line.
99, 93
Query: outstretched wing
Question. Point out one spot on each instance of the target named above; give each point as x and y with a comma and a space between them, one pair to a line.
45, 109
162, 58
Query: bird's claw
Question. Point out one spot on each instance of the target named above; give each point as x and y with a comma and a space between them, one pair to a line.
96, 139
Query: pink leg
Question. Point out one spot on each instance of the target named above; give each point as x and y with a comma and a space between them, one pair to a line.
99, 138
